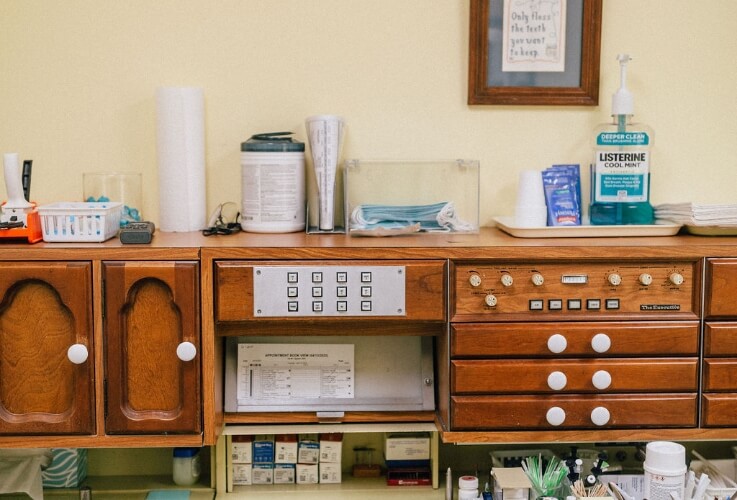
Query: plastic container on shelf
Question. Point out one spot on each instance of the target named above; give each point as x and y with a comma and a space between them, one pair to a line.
186, 466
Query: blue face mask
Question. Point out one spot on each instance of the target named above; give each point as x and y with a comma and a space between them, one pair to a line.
431, 218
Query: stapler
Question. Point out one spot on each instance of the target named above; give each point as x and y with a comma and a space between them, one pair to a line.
19, 218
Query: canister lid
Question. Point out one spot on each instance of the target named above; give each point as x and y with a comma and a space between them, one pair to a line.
273, 142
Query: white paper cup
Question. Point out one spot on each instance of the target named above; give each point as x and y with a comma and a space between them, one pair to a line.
530, 188
526, 215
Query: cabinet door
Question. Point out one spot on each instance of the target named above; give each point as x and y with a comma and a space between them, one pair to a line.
46, 387
152, 347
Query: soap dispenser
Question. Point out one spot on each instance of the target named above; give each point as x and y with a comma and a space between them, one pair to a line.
620, 173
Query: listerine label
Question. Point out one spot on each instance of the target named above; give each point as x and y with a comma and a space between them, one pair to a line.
623, 168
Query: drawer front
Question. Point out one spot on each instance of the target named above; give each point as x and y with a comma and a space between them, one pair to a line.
566, 376
720, 374
424, 290
575, 339
579, 412
719, 410
720, 339
721, 288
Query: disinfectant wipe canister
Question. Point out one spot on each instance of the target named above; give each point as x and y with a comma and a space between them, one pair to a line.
665, 470
273, 170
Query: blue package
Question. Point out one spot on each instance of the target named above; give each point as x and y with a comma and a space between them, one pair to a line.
561, 185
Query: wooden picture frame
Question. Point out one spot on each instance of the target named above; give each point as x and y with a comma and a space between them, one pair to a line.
577, 84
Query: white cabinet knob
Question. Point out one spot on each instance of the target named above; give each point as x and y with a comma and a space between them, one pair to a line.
507, 279
474, 280
600, 416
537, 279
557, 380
614, 279
645, 279
676, 278
555, 416
77, 353
557, 343
490, 300
186, 351
601, 379
601, 342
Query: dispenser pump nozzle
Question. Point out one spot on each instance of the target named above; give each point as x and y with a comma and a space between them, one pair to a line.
622, 100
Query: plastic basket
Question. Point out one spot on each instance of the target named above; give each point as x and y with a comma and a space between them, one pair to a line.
80, 221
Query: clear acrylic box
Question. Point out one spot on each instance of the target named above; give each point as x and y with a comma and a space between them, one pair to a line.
405, 183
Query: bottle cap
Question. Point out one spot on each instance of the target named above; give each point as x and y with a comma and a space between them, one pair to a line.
468, 482
623, 100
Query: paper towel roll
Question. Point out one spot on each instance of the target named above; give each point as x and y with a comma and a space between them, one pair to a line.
180, 145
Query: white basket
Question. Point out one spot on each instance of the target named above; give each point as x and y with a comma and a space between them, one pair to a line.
80, 221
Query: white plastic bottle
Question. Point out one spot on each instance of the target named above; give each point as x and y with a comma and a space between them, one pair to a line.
186, 466
620, 173
468, 488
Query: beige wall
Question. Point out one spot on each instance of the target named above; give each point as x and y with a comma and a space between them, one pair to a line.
77, 83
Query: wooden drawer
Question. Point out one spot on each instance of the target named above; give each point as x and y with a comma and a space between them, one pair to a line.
425, 290
719, 410
667, 338
721, 288
543, 376
529, 412
720, 339
720, 374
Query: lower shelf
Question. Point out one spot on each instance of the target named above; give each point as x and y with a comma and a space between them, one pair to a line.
130, 487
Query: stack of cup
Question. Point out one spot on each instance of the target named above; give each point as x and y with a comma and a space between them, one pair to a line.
665, 470
530, 210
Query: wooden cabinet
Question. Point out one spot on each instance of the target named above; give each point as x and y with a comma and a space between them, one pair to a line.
152, 367
46, 349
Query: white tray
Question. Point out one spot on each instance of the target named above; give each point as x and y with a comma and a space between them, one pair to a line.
507, 224
712, 230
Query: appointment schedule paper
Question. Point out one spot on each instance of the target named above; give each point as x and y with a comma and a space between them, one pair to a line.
286, 372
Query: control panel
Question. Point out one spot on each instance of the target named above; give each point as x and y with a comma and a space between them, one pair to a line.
586, 289
328, 291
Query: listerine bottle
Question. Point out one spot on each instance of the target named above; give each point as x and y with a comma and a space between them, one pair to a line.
620, 174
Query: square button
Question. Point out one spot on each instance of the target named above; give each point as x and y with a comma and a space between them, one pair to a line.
292, 277
342, 291
292, 291
365, 305
612, 303
292, 306
342, 306
317, 277
555, 304
317, 291
365, 291
536, 304
593, 304
366, 277
317, 306
341, 277
574, 304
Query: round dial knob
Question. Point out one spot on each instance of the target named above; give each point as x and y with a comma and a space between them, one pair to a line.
474, 280
77, 353
645, 279
555, 416
557, 380
507, 279
601, 342
676, 278
490, 300
600, 416
614, 279
601, 379
186, 351
557, 343
537, 279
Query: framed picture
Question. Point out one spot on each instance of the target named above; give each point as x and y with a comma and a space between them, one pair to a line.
536, 52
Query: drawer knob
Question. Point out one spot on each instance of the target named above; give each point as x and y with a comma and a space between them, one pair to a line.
77, 353
507, 279
557, 343
601, 342
537, 279
490, 300
186, 351
614, 279
676, 278
645, 279
601, 379
474, 280
600, 416
557, 380
555, 416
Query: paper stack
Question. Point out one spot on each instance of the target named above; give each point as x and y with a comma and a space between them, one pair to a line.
695, 214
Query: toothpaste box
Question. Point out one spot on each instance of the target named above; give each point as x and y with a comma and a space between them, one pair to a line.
285, 449
307, 474
262, 474
308, 452
241, 449
331, 448
330, 473
242, 474
285, 473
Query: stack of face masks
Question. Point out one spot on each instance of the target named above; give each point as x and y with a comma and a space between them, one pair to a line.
393, 219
